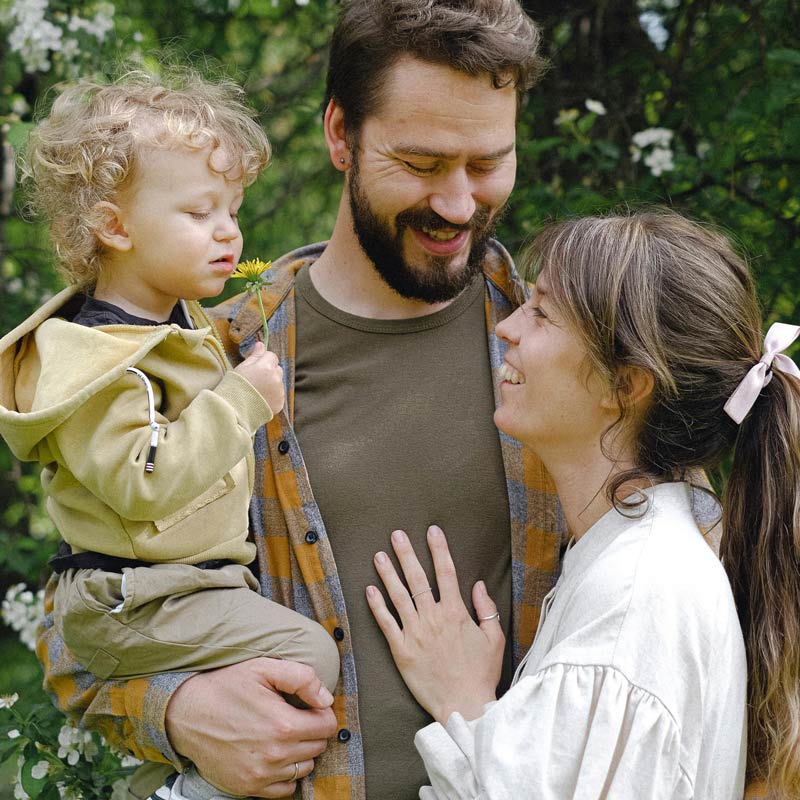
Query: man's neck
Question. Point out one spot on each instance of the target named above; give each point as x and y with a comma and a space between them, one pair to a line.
347, 279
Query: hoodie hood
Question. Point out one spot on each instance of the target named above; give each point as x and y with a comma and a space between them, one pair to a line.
50, 366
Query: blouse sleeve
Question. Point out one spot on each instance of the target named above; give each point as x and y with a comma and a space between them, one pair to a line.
581, 732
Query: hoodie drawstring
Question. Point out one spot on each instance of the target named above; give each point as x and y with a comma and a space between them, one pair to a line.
150, 465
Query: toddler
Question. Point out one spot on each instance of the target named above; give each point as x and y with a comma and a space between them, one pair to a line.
120, 389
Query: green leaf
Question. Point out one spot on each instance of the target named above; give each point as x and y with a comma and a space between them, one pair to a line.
17, 133
785, 56
33, 786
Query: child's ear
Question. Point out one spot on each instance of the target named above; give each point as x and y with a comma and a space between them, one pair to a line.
109, 226
633, 387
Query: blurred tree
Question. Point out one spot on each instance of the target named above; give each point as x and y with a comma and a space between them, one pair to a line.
693, 103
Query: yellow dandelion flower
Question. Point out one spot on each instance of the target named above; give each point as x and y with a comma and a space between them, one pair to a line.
253, 271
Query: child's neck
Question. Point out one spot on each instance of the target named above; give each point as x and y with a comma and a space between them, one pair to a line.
136, 303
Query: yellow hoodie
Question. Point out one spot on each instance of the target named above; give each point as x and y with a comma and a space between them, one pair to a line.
69, 401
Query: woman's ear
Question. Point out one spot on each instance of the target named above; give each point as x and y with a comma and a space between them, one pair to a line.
109, 226
633, 387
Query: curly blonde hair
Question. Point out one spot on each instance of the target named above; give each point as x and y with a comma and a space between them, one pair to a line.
89, 145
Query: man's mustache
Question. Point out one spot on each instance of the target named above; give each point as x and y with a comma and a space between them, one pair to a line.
428, 218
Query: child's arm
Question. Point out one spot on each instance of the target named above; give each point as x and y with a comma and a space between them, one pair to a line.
107, 443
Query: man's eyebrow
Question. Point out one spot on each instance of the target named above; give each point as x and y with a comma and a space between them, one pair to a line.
444, 155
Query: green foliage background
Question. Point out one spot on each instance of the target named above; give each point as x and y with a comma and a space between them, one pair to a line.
726, 83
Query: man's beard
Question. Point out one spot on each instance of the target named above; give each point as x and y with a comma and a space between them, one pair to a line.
430, 281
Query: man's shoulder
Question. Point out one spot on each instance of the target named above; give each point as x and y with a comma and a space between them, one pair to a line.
501, 272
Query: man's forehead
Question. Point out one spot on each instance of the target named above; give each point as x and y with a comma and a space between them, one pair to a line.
414, 83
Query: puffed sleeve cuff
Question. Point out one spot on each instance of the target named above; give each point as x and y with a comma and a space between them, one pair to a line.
252, 409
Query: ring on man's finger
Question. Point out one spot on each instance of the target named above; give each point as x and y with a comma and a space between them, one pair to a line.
491, 616
421, 591
296, 772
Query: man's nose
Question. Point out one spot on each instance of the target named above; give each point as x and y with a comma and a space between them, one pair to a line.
452, 199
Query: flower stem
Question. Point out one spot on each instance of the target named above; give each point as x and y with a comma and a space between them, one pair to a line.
263, 318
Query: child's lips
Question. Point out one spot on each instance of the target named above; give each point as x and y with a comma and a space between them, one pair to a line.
226, 263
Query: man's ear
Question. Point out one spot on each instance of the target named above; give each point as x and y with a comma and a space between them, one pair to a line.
633, 387
109, 226
335, 136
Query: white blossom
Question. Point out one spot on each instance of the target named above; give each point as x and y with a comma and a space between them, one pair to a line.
653, 145
13, 734
40, 770
74, 743
19, 105
8, 700
23, 612
19, 792
703, 149
657, 136
659, 160
653, 25
596, 107
98, 26
68, 792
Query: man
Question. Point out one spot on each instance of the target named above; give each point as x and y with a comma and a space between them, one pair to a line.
382, 334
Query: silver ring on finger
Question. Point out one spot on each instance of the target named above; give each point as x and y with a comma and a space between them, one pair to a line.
296, 772
491, 616
421, 591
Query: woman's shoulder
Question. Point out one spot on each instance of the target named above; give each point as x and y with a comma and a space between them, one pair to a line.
655, 595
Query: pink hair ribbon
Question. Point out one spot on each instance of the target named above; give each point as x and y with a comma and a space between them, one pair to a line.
778, 338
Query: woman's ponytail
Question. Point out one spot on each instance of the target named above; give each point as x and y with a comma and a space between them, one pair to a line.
761, 552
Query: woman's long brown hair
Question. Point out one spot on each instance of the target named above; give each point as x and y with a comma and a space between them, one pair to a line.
655, 291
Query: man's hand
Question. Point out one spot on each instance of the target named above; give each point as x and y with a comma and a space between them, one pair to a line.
241, 734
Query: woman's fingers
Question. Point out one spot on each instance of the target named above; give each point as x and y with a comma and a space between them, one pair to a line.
446, 578
386, 622
397, 592
486, 611
418, 584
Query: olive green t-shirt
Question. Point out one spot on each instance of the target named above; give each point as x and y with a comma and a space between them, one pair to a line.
394, 421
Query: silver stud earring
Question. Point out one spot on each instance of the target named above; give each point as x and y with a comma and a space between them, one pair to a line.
341, 160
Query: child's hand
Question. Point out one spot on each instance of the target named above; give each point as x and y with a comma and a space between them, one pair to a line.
262, 370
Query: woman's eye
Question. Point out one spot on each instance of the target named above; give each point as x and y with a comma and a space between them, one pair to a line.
534, 311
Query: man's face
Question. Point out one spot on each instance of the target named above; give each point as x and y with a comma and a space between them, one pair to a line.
431, 170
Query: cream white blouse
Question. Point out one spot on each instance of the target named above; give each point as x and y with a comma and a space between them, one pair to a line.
634, 688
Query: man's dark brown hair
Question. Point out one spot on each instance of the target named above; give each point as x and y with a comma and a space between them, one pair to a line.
476, 37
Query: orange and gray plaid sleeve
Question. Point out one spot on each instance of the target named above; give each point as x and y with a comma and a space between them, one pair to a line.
130, 715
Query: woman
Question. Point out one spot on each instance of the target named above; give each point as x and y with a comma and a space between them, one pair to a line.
630, 367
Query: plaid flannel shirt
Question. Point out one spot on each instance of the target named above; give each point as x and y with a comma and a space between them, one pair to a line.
300, 572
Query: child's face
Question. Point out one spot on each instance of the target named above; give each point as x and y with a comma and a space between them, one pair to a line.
181, 220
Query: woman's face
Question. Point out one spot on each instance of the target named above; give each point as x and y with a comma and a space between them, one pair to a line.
550, 400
